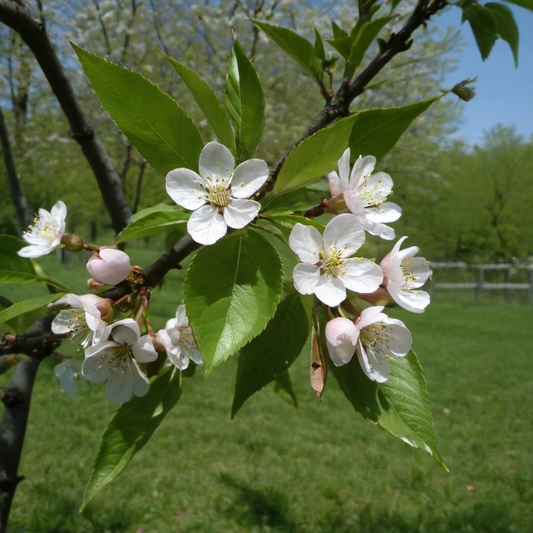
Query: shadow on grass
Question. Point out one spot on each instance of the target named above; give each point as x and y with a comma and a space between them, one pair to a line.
259, 507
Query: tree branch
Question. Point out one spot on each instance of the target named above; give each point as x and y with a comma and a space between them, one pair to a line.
35, 36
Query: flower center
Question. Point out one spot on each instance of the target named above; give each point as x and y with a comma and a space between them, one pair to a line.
369, 196
218, 195
333, 262
121, 359
371, 335
405, 266
44, 230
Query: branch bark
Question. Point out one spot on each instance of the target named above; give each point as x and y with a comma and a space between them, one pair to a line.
35, 36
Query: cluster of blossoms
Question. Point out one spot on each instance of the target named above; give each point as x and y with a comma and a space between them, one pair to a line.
328, 268
220, 196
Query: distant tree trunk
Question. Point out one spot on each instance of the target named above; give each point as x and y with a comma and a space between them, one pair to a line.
17, 16
16, 190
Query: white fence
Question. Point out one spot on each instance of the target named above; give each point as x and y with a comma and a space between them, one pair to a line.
480, 286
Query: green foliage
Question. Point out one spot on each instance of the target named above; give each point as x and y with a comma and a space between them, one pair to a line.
34, 308
299, 49
373, 132
399, 406
131, 428
208, 102
150, 221
245, 102
231, 292
270, 354
506, 25
154, 123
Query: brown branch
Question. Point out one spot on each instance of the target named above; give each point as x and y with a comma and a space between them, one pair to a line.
35, 36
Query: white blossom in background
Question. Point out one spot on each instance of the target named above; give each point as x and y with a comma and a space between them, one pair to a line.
115, 360
219, 194
373, 336
178, 341
403, 274
365, 194
327, 268
68, 372
45, 235
109, 265
83, 320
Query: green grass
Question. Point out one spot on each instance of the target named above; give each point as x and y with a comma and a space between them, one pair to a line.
317, 468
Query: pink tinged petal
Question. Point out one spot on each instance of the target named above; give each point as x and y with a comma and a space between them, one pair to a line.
109, 266
385, 213
305, 277
385, 267
374, 363
362, 167
238, 213
361, 275
125, 331
216, 163
120, 384
206, 225
369, 316
336, 185
306, 243
344, 233
186, 188
330, 290
248, 178
341, 335
143, 350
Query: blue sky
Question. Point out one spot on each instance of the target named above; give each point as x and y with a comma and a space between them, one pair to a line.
504, 94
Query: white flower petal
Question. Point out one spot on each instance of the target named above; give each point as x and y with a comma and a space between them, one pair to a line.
248, 178
186, 188
375, 189
181, 318
125, 331
206, 225
399, 338
361, 275
364, 166
330, 290
414, 301
385, 213
141, 385
345, 233
143, 350
97, 364
374, 363
305, 277
371, 315
178, 358
380, 230
238, 213
306, 242
119, 387
194, 354
216, 163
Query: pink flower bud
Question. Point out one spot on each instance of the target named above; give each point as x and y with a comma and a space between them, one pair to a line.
109, 266
341, 337
385, 267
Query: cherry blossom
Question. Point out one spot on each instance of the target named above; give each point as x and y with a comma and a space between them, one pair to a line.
373, 336
219, 195
327, 268
178, 341
109, 266
46, 233
83, 319
365, 194
115, 360
403, 274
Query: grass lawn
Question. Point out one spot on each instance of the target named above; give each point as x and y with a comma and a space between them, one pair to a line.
317, 468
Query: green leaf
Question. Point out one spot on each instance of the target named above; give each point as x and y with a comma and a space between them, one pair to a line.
400, 405
506, 25
284, 223
152, 121
49, 280
245, 102
341, 41
11, 262
282, 386
131, 428
270, 354
297, 48
483, 26
231, 291
373, 132
364, 38
527, 4
319, 47
208, 102
165, 218
27, 306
